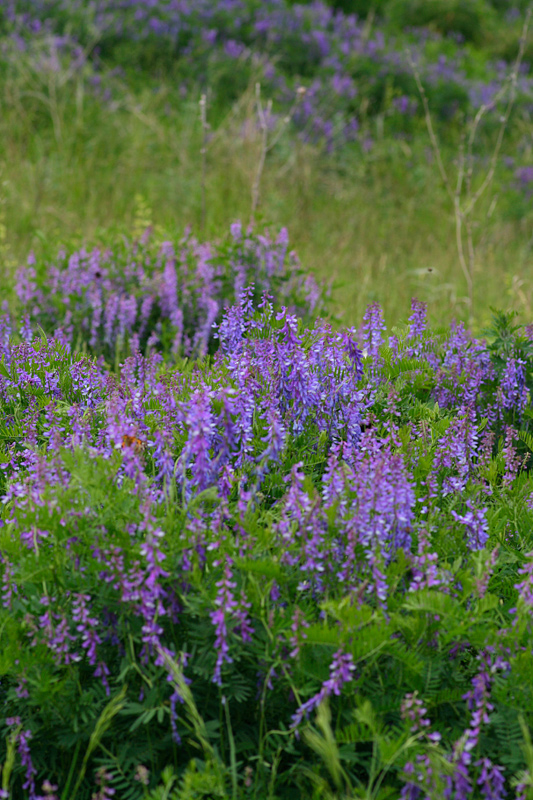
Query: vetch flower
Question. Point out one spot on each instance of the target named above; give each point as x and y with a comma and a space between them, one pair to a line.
341, 672
476, 525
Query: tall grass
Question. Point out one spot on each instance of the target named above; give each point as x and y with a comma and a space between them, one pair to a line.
376, 223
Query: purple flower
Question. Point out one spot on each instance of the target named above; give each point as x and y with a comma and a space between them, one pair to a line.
275, 439
455, 453
459, 786
405, 105
196, 454
413, 709
513, 391
298, 634
5, 336
372, 330
421, 783
236, 230
426, 573
301, 532
26, 333
525, 587
524, 180
49, 790
340, 673
103, 778
9, 587
417, 323
232, 328
90, 639
226, 606
23, 747
476, 526
491, 780
513, 462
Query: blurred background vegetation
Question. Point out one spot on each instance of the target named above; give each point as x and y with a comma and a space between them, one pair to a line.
101, 131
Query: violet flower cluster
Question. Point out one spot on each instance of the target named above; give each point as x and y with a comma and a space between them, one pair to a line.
149, 295
422, 779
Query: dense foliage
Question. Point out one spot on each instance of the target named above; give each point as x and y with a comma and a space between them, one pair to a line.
301, 564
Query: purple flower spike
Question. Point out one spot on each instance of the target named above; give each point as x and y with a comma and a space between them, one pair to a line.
491, 780
413, 709
226, 605
417, 320
476, 526
196, 454
525, 587
341, 672
372, 330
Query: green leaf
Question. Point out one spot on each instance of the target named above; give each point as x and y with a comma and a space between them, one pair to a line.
432, 602
262, 566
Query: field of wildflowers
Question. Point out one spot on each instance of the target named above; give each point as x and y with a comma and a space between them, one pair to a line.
247, 550
300, 562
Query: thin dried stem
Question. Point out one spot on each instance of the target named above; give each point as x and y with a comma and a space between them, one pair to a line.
203, 153
464, 228
263, 127
263, 115
431, 130
453, 194
467, 267
505, 118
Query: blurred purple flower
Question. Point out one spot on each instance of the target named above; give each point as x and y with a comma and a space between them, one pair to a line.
476, 525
